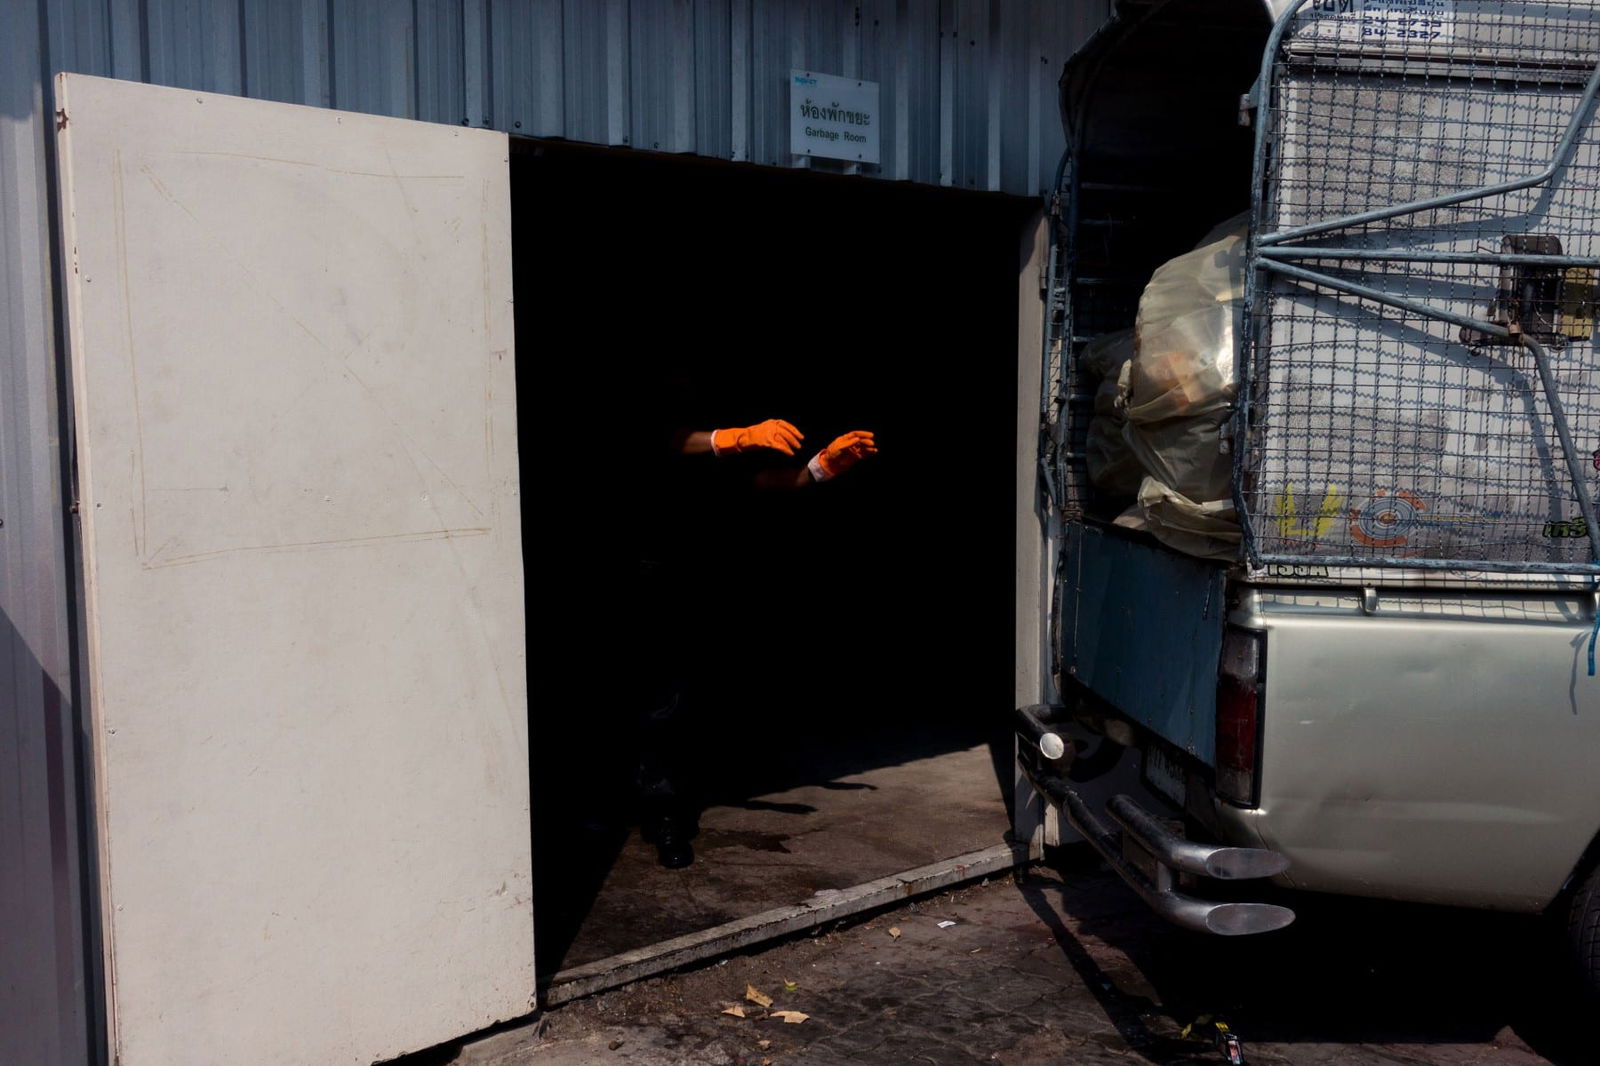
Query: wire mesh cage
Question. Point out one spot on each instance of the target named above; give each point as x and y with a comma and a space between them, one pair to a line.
1093, 292
1422, 380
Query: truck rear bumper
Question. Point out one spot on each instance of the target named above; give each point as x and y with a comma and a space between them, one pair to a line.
1148, 856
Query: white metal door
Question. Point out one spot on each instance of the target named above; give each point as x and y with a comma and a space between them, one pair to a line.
292, 365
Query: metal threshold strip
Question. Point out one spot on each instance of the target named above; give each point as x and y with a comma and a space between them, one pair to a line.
826, 906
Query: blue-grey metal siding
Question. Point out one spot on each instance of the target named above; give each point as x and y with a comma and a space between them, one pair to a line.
967, 101
968, 85
43, 1010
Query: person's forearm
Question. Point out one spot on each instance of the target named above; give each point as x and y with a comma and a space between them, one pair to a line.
783, 478
696, 443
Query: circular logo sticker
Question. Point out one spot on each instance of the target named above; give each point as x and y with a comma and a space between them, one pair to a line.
1385, 519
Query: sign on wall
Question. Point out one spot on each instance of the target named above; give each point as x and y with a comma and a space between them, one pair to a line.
832, 117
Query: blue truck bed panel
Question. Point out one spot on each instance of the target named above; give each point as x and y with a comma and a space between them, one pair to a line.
1141, 628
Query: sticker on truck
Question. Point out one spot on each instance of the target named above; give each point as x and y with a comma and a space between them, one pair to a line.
1165, 775
1382, 21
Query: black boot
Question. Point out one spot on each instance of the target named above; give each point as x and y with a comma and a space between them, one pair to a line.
672, 847
670, 830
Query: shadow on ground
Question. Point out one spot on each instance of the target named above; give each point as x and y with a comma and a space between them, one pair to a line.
1348, 972
823, 811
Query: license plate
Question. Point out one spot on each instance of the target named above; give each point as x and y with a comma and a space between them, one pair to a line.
1165, 775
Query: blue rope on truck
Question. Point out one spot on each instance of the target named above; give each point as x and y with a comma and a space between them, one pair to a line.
1594, 632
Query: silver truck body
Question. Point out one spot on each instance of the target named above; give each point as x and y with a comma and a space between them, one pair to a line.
1427, 745
1414, 444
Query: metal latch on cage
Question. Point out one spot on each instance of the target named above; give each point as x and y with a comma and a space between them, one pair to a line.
1550, 302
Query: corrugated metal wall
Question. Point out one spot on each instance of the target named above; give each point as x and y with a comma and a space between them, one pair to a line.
968, 85
43, 1013
968, 100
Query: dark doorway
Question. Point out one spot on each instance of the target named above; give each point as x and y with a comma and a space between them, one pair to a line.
830, 632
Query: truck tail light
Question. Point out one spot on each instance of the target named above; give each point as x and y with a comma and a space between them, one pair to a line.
1239, 685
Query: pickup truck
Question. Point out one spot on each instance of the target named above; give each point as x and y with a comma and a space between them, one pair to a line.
1377, 676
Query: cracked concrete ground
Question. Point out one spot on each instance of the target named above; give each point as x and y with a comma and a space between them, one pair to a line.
893, 811
1045, 968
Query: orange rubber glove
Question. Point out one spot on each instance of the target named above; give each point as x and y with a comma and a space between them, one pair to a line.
774, 433
843, 453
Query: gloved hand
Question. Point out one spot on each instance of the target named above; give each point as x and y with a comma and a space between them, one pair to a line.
841, 454
774, 433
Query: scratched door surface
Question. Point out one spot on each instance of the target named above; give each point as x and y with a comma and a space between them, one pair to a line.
296, 446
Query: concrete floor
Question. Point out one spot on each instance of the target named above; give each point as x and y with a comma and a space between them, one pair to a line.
869, 808
1046, 969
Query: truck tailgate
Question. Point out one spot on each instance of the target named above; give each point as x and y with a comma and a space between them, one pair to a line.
1141, 628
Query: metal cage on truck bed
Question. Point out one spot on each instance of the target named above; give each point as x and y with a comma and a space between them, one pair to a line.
1419, 379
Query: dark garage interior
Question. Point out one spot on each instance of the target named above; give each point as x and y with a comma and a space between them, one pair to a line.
845, 648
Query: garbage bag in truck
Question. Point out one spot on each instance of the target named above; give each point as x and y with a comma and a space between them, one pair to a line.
1179, 387
1113, 466
1184, 454
1189, 315
1209, 530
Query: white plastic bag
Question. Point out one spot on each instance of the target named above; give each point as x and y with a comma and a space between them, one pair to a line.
1188, 319
1177, 393
1209, 530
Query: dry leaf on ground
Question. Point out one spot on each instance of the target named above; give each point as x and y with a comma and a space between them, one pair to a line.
894, 931
763, 1044
790, 1017
736, 1011
756, 996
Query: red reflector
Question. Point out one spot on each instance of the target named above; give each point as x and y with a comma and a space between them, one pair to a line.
1238, 717
1236, 725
